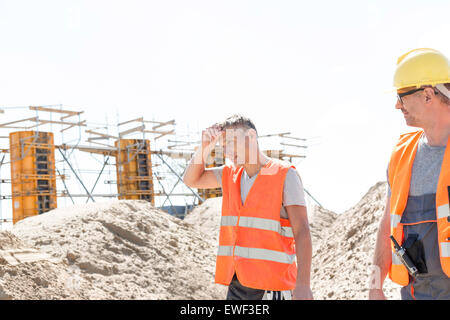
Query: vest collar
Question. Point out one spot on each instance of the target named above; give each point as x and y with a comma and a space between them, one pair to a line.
239, 173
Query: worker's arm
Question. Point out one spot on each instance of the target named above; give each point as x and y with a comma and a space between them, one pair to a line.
298, 218
383, 256
196, 175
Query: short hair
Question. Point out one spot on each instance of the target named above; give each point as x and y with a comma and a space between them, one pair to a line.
237, 121
445, 99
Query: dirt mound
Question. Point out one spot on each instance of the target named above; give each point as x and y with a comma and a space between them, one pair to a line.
319, 221
206, 217
28, 273
123, 250
343, 254
130, 250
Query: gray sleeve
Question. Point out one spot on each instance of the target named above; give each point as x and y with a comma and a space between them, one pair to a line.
293, 192
218, 173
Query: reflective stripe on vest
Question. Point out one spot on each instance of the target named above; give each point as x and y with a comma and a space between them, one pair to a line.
256, 253
443, 211
400, 170
396, 260
445, 249
395, 220
258, 223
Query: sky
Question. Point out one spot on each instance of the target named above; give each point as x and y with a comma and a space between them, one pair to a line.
321, 70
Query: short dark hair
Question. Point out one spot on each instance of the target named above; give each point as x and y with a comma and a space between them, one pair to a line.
446, 99
237, 121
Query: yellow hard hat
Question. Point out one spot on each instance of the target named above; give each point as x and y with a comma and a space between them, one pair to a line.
421, 67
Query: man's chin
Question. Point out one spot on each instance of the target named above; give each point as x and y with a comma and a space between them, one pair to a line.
411, 123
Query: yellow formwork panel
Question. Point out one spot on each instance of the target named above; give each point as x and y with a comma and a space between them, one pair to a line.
277, 154
211, 163
33, 179
134, 170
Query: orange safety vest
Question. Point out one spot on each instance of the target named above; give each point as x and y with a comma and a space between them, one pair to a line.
400, 168
254, 241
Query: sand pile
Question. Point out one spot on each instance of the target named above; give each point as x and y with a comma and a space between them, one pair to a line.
320, 219
343, 251
343, 244
27, 273
130, 250
120, 250
206, 217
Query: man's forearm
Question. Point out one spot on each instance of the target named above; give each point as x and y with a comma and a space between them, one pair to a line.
303, 246
196, 166
382, 257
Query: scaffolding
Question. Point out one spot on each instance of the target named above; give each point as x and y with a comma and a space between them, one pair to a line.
144, 159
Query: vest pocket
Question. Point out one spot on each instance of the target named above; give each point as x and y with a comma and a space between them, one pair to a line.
414, 249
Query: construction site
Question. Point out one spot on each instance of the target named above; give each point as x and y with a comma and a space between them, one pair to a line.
96, 211
107, 108
54, 155
64, 177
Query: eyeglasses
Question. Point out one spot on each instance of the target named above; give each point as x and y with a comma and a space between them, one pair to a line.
401, 95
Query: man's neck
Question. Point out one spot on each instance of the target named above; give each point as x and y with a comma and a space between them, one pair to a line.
437, 135
253, 169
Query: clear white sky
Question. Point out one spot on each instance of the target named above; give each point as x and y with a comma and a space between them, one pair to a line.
315, 68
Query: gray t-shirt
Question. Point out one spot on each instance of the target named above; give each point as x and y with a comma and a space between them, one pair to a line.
426, 169
421, 207
293, 192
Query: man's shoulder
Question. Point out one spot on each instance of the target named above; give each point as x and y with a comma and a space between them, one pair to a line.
292, 172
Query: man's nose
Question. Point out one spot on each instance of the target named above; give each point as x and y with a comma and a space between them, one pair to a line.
398, 104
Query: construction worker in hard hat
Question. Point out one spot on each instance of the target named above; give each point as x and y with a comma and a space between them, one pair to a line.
417, 213
264, 226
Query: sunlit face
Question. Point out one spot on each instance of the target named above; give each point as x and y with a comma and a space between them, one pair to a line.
413, 108
240, 146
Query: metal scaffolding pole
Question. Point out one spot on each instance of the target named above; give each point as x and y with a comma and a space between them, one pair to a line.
99, 175
1, 164
181, 179
65, 186
309, 194
76, 176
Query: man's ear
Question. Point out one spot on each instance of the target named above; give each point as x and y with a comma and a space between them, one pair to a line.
429, 95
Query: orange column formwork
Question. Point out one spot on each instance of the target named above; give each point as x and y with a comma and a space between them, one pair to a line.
134, 170
33, 179
212, 162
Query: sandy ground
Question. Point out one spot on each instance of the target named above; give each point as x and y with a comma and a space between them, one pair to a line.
130, 250
343, 247
118, 250
27, 273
